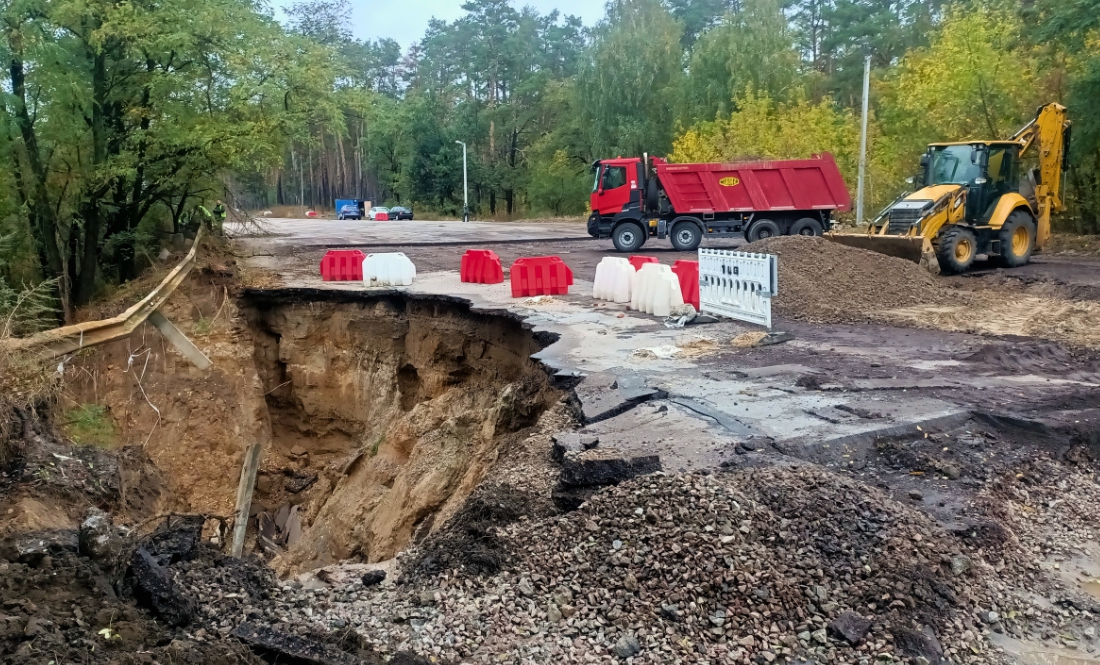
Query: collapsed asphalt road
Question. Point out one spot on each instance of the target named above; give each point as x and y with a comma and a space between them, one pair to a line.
865, 491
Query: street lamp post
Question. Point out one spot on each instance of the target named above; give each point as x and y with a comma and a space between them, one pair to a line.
863, 140
465, 186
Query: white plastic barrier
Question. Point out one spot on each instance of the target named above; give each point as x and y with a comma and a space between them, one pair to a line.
613, 279
739, 285
656, 290
390, 269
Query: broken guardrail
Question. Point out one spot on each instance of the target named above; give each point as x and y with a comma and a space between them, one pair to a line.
59, 341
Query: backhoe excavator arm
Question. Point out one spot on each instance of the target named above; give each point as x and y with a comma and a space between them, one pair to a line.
1049, 133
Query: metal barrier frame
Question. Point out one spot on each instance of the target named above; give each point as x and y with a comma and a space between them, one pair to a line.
738, 285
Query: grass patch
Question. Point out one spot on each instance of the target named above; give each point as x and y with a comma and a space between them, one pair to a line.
90, 424
374, 446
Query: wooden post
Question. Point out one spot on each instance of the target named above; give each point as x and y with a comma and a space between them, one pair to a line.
244, 495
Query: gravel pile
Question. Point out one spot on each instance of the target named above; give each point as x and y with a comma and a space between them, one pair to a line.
824, 282
757, 566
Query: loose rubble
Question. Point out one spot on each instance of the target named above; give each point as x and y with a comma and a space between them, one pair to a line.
757, 566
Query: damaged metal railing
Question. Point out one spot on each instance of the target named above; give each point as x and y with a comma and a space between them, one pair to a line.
59, 341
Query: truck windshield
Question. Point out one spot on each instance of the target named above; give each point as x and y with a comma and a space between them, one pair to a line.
951, 165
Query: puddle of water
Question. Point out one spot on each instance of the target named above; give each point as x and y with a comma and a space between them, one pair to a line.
1091, 587
932, 364
1080, 572
1032, 653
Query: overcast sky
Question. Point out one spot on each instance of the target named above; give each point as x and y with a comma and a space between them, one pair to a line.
406, 20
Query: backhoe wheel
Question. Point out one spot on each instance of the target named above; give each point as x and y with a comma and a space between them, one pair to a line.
686, 237
807, 227
958, 247
628, 237
763, 228
1017, 239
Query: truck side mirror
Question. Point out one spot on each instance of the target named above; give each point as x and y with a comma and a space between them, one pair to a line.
924, 161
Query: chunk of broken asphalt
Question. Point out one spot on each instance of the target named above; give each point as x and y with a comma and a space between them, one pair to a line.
372, 577
922, 644
568, 498
581, 470
155, 588
293, 648
299, 481
176, 540
850, 626
571, 442
98, 539
33, 546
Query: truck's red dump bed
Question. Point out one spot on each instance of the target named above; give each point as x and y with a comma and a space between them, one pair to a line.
797, 184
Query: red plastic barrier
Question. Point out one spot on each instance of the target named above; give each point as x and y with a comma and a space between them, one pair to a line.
342, 265
688, 274
481, 266
639, 261
311, 213
539, 276
381, 216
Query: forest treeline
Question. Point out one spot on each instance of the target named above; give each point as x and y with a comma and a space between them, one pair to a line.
117, 118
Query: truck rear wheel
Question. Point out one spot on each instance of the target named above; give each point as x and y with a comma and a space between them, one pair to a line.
628, 237
807, 226
686, 237
1017, 239
957, 249
763, 228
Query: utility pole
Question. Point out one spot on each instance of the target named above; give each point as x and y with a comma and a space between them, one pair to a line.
863, 140
465, 186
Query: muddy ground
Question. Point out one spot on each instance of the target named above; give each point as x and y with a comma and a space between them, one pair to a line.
411, 435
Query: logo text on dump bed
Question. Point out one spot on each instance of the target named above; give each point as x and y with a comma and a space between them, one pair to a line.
729, 181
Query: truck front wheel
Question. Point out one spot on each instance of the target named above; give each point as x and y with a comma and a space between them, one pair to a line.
628, 237
763, 228
686, 237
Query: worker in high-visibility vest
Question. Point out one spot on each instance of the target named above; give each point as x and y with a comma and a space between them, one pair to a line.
219, 217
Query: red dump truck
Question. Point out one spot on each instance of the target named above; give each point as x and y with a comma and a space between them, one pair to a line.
632, 202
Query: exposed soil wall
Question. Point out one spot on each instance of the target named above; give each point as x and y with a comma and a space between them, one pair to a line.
397, 407
379, 414
193, 425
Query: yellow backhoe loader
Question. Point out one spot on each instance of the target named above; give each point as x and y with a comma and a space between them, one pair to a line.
973, 200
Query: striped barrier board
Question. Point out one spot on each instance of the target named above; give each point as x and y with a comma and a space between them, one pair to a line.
738, 285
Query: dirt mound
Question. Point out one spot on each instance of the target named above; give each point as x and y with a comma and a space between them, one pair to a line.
64, 608
52, 482
1036, 357
825, 282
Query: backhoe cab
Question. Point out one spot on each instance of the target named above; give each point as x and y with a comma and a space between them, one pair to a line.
974, 201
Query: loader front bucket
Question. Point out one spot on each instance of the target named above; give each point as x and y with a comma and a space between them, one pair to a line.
911, 248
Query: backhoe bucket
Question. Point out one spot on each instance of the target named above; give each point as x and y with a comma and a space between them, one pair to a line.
910, 248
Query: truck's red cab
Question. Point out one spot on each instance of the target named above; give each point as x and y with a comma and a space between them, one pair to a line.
618, 186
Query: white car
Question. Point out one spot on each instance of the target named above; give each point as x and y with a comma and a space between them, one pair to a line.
378, 211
